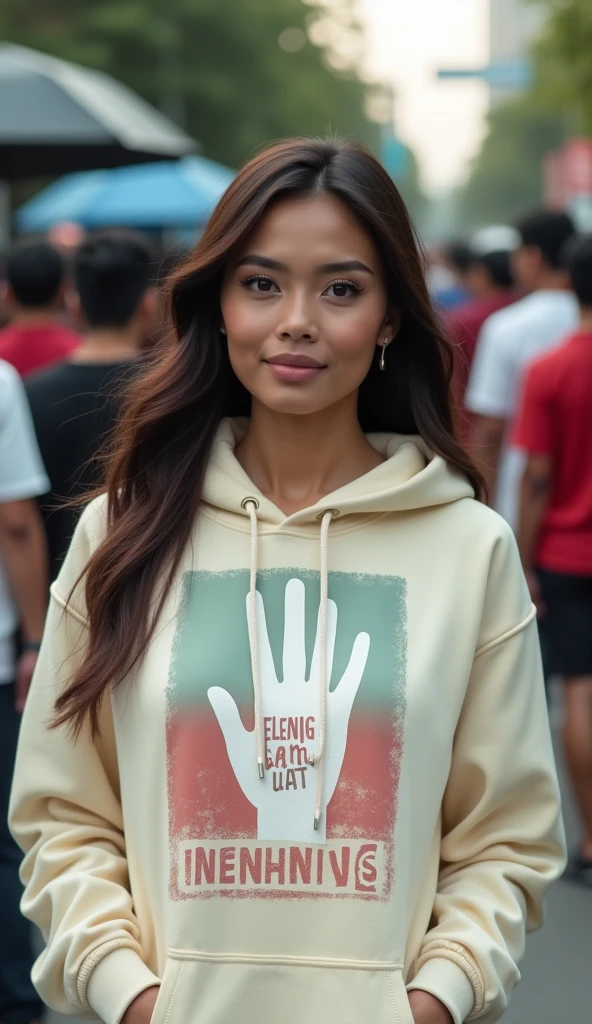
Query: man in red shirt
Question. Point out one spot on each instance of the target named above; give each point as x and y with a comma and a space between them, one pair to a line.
34, 299
554, 427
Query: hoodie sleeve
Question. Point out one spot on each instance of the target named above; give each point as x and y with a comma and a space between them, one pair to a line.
66, 815
502, 836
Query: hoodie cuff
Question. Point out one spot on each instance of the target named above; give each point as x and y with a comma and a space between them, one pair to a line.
116, 981
447, 982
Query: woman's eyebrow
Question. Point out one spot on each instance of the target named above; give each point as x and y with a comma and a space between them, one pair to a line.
261, 261
336, 268
325, 268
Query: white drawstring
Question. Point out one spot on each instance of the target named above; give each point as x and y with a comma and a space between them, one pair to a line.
319, 759
251, 505
315, 760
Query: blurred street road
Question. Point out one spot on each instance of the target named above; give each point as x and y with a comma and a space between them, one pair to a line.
556, 983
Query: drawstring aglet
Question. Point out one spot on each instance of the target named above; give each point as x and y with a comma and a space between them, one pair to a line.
261, 768
317, 818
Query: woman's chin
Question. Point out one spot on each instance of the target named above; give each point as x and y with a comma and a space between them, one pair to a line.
299, 408
293, 401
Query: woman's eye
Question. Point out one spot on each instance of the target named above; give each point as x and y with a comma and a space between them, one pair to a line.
263, 285
342, 290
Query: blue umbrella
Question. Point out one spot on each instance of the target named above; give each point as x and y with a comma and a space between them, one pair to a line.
171, 193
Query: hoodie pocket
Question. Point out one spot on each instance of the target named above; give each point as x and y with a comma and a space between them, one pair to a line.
204, 989
400, 998
161, 1013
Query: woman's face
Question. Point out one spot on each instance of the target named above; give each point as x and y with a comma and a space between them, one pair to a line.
304, 306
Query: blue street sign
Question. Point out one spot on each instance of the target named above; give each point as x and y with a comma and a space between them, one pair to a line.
514, 74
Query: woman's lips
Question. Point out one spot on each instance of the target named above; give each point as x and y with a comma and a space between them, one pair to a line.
295, 369
284, 371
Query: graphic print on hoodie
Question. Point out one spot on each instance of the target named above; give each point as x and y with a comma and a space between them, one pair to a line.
234, 834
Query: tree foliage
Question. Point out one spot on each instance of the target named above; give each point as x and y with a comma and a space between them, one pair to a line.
215, 66
507, 175
564, 59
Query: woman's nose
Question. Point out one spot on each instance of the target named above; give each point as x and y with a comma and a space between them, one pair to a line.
296, 322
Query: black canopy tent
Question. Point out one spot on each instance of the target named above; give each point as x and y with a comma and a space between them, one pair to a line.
57, 117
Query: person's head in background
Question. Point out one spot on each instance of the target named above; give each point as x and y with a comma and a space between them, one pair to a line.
577, 259
536, 263
446, 279
457, 257
114, 295
34, 286
489, 274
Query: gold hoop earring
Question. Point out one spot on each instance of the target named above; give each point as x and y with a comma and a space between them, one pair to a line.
382, 363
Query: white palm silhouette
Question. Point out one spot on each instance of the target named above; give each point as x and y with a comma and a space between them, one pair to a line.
285, 797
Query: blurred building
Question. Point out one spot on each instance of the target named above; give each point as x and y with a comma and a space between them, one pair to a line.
513, 24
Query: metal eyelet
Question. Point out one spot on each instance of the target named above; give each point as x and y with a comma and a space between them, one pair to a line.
326, 511
249, 501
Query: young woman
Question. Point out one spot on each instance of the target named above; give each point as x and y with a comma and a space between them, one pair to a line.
286, 755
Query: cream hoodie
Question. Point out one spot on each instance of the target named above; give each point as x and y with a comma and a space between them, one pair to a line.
379, 667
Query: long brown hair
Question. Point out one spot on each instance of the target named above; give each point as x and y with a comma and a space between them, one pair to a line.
162, 445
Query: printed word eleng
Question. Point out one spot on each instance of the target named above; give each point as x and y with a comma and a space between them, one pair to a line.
298, 728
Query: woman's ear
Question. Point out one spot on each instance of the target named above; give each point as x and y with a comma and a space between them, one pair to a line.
391, 325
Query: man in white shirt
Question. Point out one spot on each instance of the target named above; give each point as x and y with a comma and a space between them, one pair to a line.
509, 340
23, 602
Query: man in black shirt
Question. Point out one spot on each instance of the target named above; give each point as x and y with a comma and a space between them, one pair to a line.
75, 405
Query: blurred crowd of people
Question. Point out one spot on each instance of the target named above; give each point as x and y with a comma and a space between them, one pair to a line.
517, 305
76, 330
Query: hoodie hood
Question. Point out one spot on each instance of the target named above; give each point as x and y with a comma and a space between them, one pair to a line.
412, 477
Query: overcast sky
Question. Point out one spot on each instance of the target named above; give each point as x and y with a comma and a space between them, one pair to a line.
408, 40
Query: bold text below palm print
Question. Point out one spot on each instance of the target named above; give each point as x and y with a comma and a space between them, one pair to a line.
339, 867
